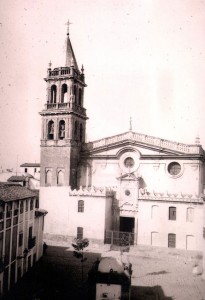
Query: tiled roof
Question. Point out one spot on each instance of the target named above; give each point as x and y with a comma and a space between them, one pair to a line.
17, 178
11, 192
30, 165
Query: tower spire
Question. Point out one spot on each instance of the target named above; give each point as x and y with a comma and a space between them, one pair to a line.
70, 56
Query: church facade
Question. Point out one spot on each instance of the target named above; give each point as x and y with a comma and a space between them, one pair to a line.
148, 187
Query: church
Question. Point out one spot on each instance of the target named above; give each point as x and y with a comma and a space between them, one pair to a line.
129, 188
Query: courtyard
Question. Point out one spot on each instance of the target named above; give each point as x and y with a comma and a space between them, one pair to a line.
158, 274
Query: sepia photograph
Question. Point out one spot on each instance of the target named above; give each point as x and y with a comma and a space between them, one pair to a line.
102, 149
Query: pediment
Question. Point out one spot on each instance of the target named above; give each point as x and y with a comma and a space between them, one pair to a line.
146, 145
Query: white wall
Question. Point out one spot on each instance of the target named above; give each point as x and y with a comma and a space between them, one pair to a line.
163, 226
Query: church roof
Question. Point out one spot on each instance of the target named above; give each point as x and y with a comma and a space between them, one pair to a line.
145, 140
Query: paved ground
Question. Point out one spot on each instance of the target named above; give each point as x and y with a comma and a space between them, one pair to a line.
158, 274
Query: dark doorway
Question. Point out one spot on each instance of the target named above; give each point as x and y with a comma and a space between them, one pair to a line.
127, 224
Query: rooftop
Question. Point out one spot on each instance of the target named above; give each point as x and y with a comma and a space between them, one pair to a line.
12, 192
30, 165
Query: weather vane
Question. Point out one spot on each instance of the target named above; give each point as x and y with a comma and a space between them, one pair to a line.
68, 24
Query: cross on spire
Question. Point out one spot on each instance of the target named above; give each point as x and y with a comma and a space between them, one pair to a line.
68, 24
130, 124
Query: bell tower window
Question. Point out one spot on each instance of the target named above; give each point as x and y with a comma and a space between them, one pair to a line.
61, 130
53, 93
76, 130
64, 91
80, 97
50, 130
81, 132
75, 93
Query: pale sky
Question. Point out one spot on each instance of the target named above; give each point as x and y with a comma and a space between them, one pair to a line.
142, 58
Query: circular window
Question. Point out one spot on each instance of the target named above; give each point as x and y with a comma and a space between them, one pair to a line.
174, 168
129, 162
127, 192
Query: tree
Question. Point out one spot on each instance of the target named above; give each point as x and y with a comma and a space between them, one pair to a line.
79, 246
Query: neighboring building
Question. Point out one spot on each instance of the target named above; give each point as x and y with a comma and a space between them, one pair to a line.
22, 180
149, 187
30, 168
21, 233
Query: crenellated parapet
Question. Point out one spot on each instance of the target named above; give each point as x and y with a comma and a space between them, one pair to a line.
169, 197
93, 191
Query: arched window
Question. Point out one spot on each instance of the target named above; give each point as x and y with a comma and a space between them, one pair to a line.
80, 97
61, 133
50, 130
154, 211
75, 93
76, 130
190, 214
48, 179
53, 93
64, 90
81, 132
60, 178
80, 206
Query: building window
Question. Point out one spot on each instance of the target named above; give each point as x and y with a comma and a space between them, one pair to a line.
15, 206
80, 206
190, 214
26, 205
20, 239
64, 90
30, 232
8, 210
53, 93
1, 212
75, 94
21, 207
172, 240
31, 204
60, 178
81, 132
129, 162
76, 130
80, 97
79, 233
34, 170
61, 133
51, 130
172, 213
25, 170
48, 179
174, 168
154, 211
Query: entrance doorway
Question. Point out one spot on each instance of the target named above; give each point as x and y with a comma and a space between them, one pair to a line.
127, 224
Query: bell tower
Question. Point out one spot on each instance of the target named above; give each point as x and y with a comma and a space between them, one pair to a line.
63, 122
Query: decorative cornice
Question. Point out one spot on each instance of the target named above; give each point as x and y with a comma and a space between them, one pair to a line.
169, 197
92, 191
146, 140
